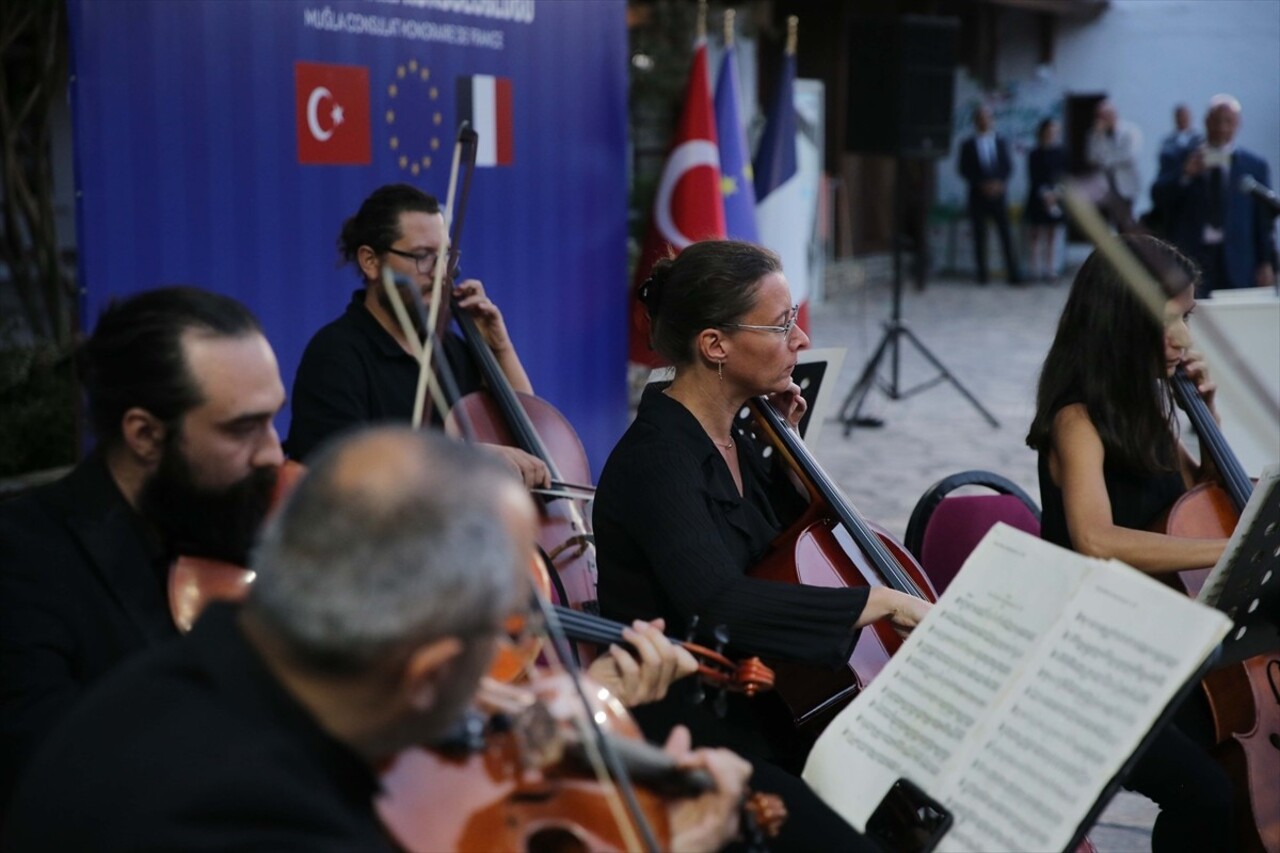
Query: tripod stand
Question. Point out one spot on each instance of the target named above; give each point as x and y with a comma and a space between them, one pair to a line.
896, 328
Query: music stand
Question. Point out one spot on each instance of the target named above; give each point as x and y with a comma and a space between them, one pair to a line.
896, 328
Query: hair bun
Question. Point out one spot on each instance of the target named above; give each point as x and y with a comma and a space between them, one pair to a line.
652, 288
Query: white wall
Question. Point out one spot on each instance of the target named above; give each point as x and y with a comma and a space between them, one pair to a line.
1148, 55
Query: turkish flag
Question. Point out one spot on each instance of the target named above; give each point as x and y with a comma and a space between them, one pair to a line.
688, 206
333, 113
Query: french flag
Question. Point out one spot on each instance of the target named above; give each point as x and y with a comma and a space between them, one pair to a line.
485, 101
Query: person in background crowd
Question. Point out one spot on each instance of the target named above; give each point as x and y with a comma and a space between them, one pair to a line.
1046, 164
1210, 217
1112, 148
985, 164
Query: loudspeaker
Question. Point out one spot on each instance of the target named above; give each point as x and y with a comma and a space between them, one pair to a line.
901, 84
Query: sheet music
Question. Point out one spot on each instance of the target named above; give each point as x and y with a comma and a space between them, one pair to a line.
1020, 695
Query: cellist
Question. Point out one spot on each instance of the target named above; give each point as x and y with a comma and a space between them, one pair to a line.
1110, 464
683, 508
382, 588
360, 368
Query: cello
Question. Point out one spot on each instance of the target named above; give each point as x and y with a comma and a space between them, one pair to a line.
831, 545
1244, 698
501, 415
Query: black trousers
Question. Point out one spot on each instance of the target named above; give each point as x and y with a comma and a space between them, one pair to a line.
1192, 790
982, 208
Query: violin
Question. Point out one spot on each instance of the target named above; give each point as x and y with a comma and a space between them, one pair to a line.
522, 781
1244, 698
749, 676
831, 545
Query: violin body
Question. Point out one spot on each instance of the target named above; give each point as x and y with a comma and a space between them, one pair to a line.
563, 532
515, 793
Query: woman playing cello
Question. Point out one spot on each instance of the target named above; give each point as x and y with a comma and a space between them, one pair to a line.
683, 507
1110, 464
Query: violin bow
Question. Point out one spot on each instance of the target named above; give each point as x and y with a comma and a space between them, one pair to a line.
601, 755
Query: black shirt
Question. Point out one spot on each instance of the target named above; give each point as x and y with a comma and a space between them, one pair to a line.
675, 539
1137, 498
82, 588
354, 372
195, 746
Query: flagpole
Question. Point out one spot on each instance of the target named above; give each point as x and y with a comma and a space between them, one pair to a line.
729, 15
793, 29
700, 32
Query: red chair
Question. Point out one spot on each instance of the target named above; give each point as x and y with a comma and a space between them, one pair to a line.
945, 528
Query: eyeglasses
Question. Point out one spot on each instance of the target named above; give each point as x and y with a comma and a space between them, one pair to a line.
783, 331
426, 261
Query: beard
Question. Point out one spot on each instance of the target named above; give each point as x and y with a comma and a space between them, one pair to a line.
413, 305
200, 522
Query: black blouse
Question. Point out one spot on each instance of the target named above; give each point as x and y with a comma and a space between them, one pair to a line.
1137, 498
675, 539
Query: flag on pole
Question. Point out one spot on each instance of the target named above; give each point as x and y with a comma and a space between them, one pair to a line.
781, 213
688, 206
735, 166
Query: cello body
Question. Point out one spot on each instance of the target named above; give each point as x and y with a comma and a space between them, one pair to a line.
1244, 698
832, 545
563, 532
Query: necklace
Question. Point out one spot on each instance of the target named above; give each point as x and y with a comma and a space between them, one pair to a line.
728, 446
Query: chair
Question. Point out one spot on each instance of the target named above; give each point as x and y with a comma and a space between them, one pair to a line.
944, 530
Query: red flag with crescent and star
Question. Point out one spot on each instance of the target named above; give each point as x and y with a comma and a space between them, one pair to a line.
688, 206
332, 114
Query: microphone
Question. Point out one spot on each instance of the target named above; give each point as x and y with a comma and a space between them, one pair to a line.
1261, 194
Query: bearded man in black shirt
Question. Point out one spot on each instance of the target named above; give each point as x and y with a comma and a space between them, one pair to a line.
182, 390
361, 368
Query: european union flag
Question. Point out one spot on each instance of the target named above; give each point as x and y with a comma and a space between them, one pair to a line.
735, 167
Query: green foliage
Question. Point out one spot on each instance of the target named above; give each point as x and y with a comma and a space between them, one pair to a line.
37, 401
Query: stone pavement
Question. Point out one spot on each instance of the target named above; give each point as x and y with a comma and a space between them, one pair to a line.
993, 340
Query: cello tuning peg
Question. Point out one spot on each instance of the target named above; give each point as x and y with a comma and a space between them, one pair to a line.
693, 628
697, 695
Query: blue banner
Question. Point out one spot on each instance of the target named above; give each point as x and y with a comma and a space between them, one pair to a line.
223, 142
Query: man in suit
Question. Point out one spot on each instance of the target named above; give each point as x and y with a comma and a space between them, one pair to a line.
1210, 217
1181, 141
382, 589
182, 390
985, 163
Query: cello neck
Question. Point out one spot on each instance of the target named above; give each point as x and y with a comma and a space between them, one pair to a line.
797, 455
1212, 442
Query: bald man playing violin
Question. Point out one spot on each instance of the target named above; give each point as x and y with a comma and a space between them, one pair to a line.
361, 368
382, 589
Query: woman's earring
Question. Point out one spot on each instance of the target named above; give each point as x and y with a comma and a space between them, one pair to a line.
720, 369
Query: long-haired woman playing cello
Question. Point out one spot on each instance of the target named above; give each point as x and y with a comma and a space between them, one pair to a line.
1110, 464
